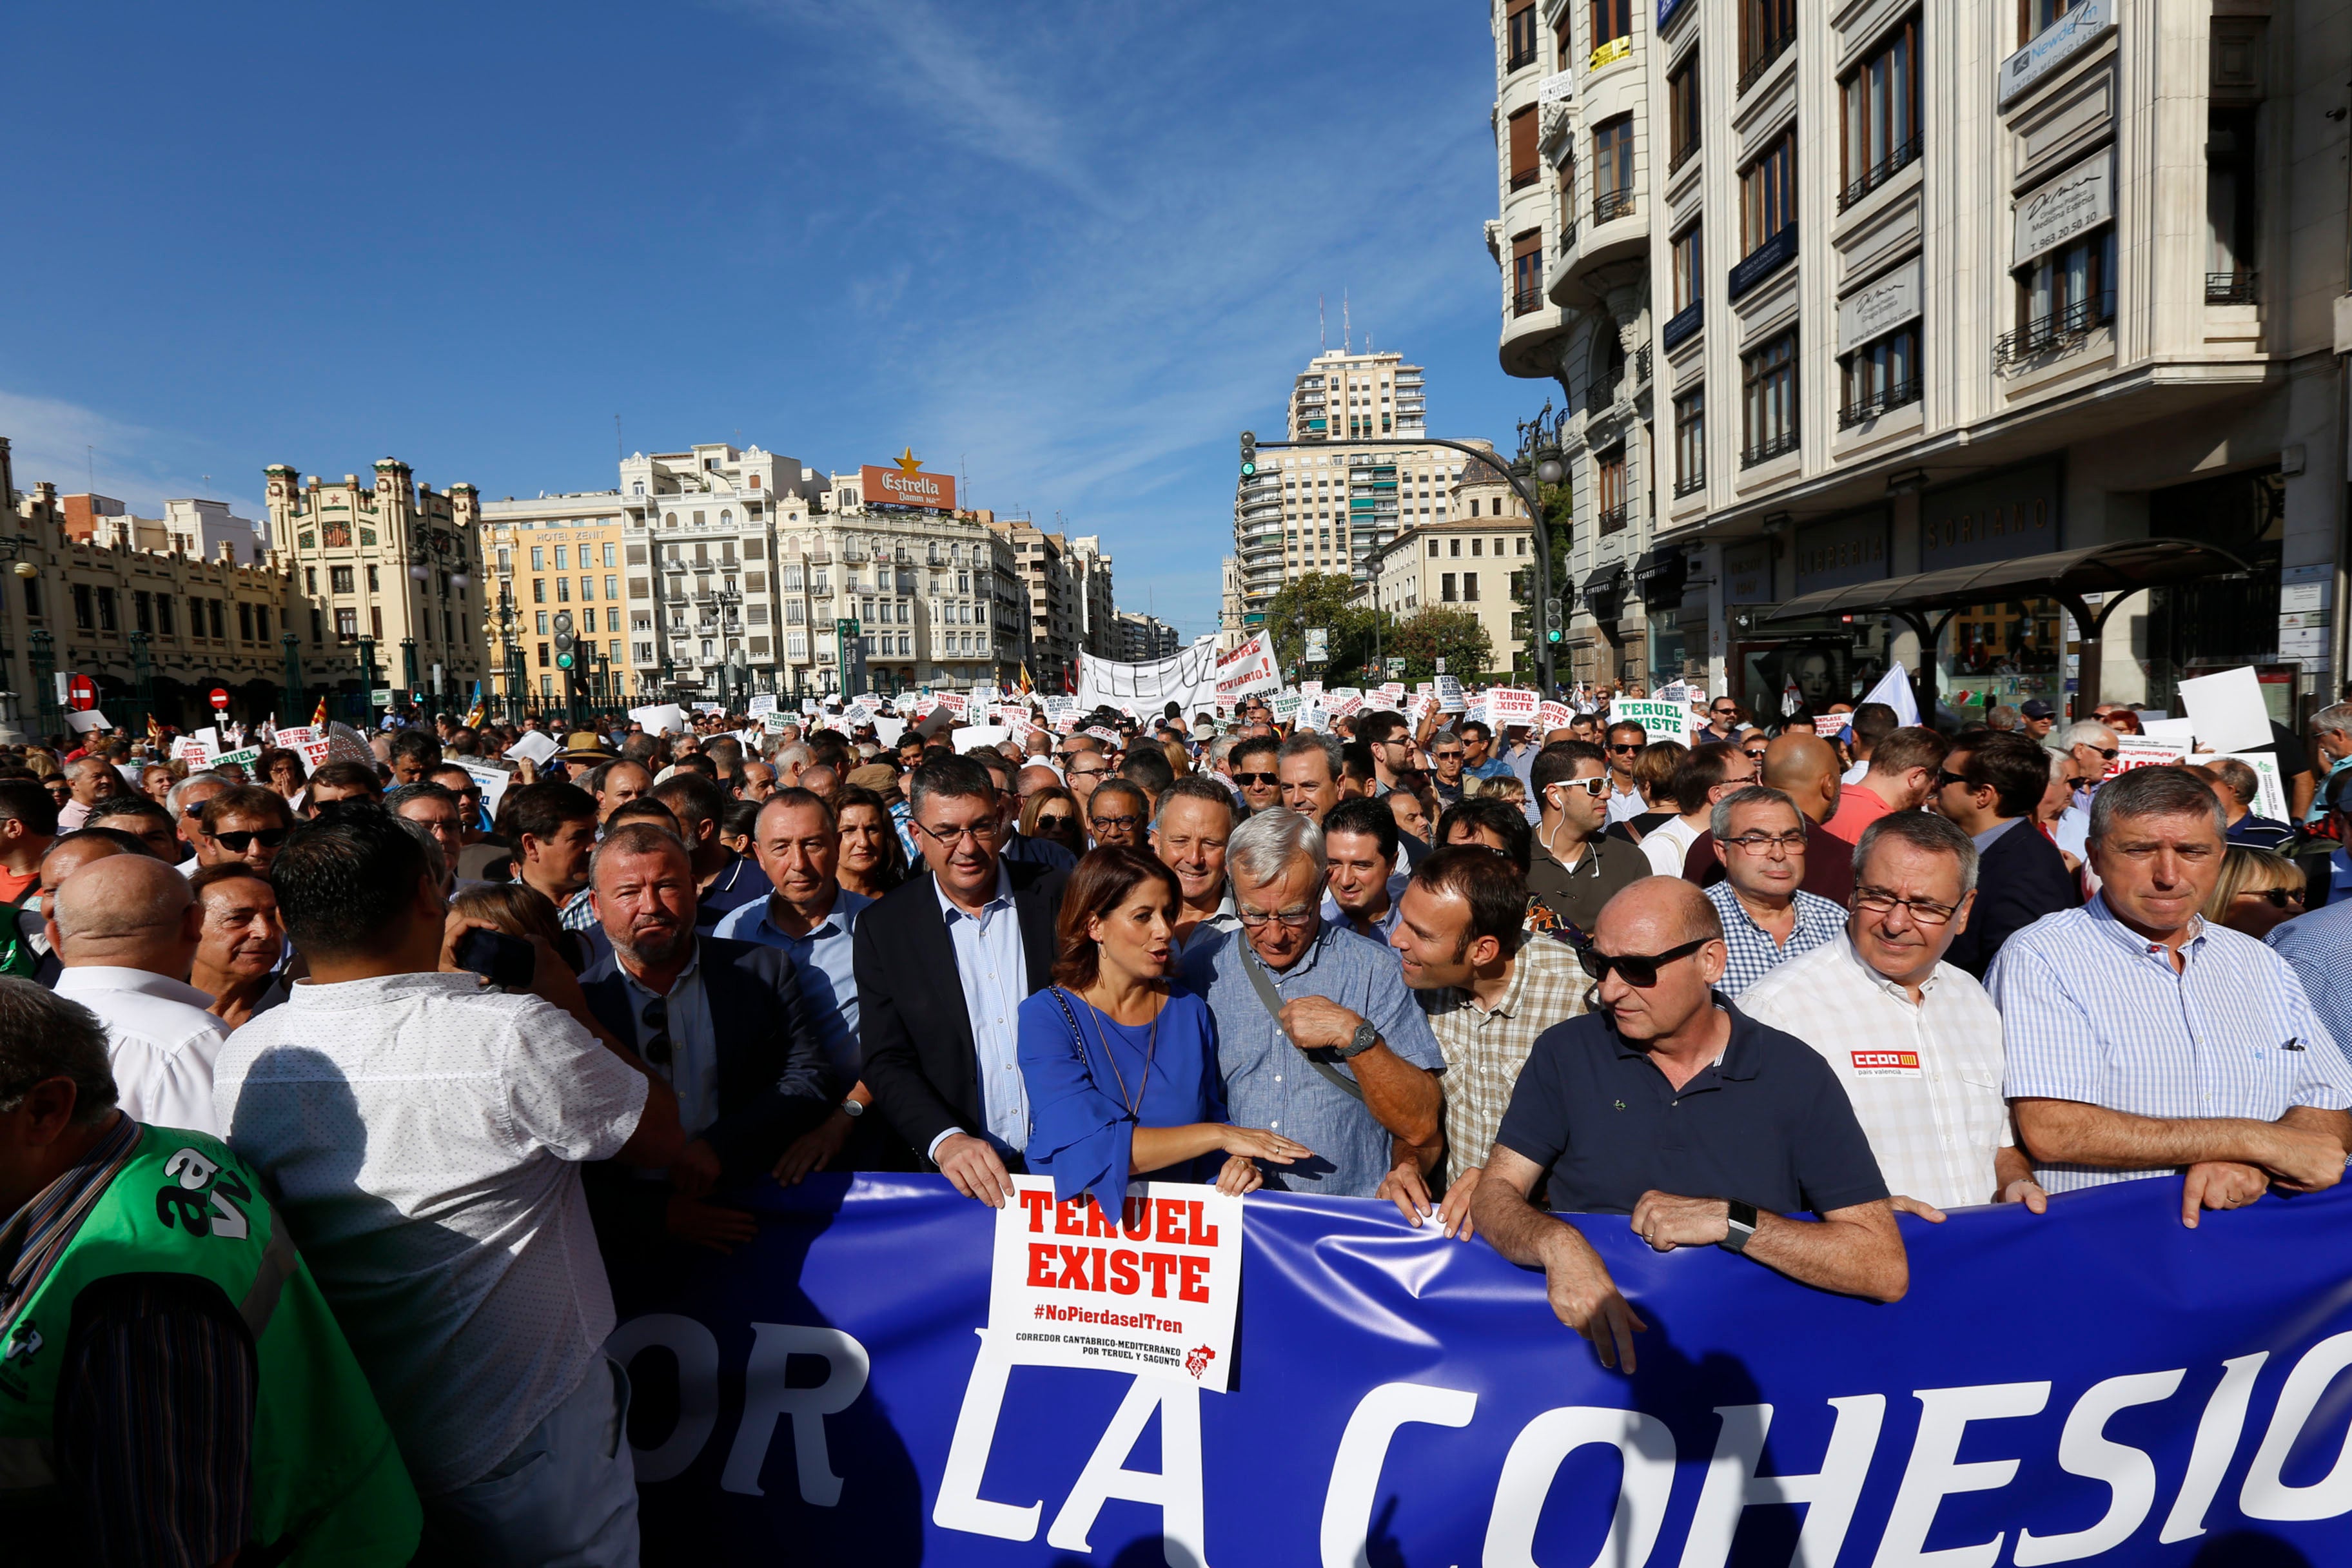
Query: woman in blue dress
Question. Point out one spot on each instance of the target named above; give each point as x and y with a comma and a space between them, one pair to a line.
1119, 1060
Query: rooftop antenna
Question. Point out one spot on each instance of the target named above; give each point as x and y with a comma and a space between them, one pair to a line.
1346, 333
89, 458
619, 452
1322, 336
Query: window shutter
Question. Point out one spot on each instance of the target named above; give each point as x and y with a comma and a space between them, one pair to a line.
1523, 146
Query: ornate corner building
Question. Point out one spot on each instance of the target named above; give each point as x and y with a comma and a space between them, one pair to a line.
1840, 296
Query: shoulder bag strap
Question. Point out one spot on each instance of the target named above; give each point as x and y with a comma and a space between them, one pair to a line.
1271, 999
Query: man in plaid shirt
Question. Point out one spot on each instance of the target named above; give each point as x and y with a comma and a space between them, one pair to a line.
1489, 988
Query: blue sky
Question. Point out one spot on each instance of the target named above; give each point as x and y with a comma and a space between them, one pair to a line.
1069, 250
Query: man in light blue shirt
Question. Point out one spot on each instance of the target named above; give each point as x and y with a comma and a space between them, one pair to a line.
1341, 1012
2141, 1041
811, 917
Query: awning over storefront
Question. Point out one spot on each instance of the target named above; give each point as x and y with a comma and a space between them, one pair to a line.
1660, 574
2118, 570
1603, 585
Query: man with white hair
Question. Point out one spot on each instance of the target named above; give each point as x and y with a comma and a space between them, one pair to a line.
790, 762
185, 801
126, 928
1317, 1034
92, 779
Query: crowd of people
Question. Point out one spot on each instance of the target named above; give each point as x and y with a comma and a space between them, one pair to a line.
434, 1065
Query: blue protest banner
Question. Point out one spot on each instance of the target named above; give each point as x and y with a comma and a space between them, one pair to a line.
2098, 1384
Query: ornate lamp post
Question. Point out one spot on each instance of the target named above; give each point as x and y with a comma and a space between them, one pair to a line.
291, 705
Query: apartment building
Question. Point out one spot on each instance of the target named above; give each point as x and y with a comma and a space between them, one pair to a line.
1478, 560
1050, 590
1965, 286
191, 526
550, 555
1143, 638
387, 575
1091, 567
1329, 508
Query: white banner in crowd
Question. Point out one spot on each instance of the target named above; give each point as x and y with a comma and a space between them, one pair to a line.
1659, 720
1193, 679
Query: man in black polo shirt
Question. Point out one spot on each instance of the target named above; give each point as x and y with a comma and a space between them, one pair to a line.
1597, 1115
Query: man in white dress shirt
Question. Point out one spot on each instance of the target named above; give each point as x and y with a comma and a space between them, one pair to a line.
1914, 1041
126, 928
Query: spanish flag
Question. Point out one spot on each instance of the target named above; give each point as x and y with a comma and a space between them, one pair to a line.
319, 716
154, 730
1026, 686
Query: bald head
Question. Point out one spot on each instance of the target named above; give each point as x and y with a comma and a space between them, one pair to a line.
128, 911
1805, 769
1655, 913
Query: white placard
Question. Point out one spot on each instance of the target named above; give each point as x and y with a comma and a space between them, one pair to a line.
1558, 87
2140, 751
660, 718
538, 745
774, 723
1829, 726
972, 735
1659, 720
2075, 202
2227, 710
2271, 800
82, 723
1285, 706
1510, 705
494, 782
1449, 694
1553, 716
764, 702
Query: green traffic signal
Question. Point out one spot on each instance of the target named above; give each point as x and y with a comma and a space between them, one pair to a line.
564, 661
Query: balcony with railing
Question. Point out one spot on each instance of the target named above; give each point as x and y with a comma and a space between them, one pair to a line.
1609, 519
1880, 172
1611, 206
2056, 333
1768, 51
1863, 410
2229, 288
1769, 448
1528, 302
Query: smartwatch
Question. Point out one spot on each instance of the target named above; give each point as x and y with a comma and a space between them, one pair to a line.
1362, 1040
1742, 1221
852, 1109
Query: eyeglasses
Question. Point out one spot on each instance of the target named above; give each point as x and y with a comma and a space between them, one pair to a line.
1596, 786
1943, 778
1264, 780
239, 842
1765, 843
1086, 773
1296, 920
1640, 969
1453, 757
657, 1048
948, 837
1114, 824
1879, 901
2109, 752
2277, 898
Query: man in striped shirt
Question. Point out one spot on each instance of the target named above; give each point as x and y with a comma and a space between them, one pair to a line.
1759, 836
2142, 1040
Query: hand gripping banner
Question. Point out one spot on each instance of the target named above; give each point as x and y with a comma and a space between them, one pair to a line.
2097, 1384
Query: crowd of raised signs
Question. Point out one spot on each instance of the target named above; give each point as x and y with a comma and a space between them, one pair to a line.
353, 1084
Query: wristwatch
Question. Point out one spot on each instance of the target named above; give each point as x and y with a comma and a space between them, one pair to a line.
852, 1109
1362, 1040
1743, 1226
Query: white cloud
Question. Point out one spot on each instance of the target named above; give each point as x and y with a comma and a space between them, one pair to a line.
78, 448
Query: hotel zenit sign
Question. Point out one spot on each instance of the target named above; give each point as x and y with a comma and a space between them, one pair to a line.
903, 483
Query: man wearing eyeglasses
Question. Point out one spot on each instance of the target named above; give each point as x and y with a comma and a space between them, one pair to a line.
2092, 747
744, 1092
1988, 785
1664, 1090
944, 963
244, 823
1914, 1041
1622, 744
1316, 1036
1084, 765
1768, 919
1575, 871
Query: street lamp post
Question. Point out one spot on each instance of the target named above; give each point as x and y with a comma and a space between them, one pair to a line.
44, 659
142, 683
367, 683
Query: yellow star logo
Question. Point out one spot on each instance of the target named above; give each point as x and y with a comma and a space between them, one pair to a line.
907, 462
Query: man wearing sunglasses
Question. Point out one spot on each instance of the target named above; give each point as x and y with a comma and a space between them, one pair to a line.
1988, 785
1667, 1092
1575, 871
1448, 755
1623, 744
1914, 1042
2091, 747
942, 964
244, 823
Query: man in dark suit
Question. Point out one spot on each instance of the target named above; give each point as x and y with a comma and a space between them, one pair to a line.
1990, 782
724, 1022
944, 963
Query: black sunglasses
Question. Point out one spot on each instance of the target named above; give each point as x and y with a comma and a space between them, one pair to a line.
1640, 969
1943, 778
238, 843
2279, 898
657, 1018
1267, 780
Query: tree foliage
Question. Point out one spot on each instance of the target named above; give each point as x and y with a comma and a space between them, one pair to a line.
1319, 599
1433, 633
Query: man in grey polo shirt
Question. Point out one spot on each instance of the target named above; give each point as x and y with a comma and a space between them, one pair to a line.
1317, 1034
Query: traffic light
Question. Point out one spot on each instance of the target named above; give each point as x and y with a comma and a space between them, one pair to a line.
1249, 453
1552, 618
564, 655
